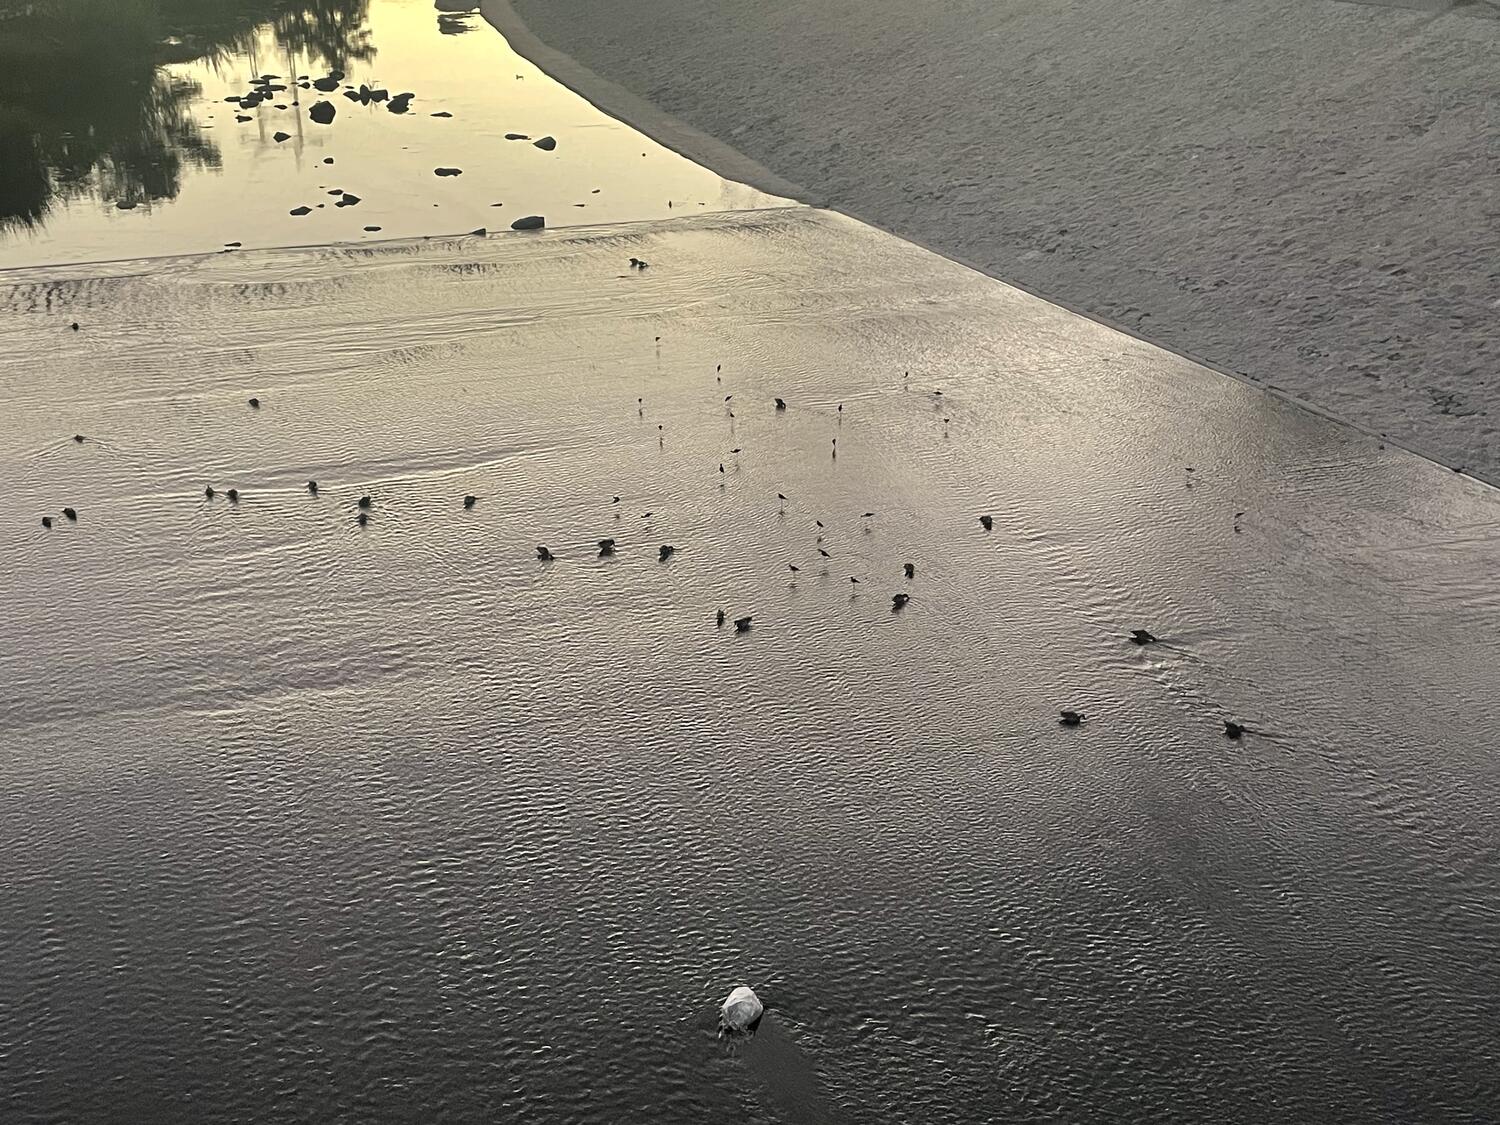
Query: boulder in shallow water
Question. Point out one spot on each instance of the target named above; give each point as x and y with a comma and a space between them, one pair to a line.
400, 103
300, 211
529, 222
447, 171
546, 144
322, 112
327, 85
741, 1011
278, 137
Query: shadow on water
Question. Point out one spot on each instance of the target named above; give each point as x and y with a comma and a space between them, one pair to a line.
784, 1077
87, 108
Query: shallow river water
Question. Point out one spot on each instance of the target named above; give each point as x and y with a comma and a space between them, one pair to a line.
308, 820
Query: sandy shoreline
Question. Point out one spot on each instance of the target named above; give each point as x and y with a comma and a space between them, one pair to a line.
1211, 185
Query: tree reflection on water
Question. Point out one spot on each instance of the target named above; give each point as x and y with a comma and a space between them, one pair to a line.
88, 108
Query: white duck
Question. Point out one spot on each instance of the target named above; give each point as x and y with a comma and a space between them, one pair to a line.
741, 1011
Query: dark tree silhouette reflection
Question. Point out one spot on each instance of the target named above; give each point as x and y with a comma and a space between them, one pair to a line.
87, 108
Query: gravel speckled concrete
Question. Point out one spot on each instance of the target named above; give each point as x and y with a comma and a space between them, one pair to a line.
1302, 192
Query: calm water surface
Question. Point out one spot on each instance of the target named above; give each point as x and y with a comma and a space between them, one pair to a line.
307, 821
144, 158
303, 821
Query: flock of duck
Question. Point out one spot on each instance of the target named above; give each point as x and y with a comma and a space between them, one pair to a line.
606, 547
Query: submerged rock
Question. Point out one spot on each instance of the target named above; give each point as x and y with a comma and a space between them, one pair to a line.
322, 112
400, 103
327, 85
300, 211
347, 201
447, 171
546, 144
440, 113
279, 137
517, 137
529, 222
742, 1009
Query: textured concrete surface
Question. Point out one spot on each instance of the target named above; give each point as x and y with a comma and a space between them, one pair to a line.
1301, 192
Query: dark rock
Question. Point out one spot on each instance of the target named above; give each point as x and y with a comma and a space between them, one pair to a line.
255, 404
529, 222
400, 103
242, 117
327, 160
441, 113
327, 85
300, 211
233, 245
372, 230
447, 171
480, 232
126, 205
322, 112
352, 95
546, 144
517, 137
280, 137
347, 201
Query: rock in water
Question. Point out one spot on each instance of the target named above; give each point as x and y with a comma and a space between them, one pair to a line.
300, 211
327, 85
280, 137
546, 144
400, 103
529, 222
447, 171
741, 1011
322, 112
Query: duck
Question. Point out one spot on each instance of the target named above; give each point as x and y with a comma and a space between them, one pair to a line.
208, 491
364, 503
255, 404
71, 514
470, 501
362, 519
606, 547
824, 553
78, 438
899, 600
234, 495
781, 404
742, 624
665, 552
719, 619
1233, 730
543, 554
312, 486
794, 568
740, 1012
910, 569
1142, 637
46, 521
986, 523
1072, 718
